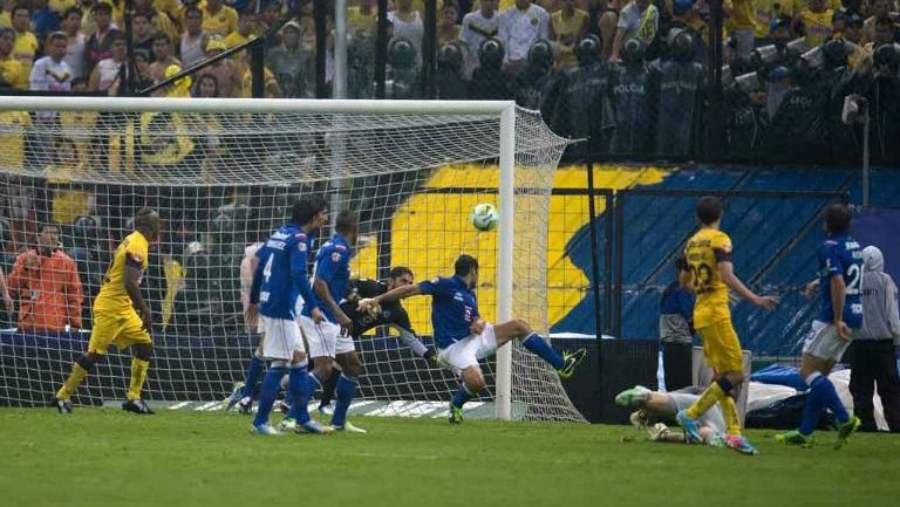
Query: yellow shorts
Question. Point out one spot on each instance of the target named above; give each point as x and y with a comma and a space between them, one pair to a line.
119, 329
722, 347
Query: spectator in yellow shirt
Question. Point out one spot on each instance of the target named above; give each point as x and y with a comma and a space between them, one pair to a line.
219, 19
742, 25
26, 43
12, 72
814, 22
568, 25
767, 11
246, 30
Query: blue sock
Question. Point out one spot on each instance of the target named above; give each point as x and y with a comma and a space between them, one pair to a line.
299, 410
543, 349
344, 392
251, 378
832, 401
296, 380
461, 396
270, 387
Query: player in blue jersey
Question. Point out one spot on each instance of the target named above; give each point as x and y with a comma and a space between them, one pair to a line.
463, 337
279, 281
329, 339
840, 274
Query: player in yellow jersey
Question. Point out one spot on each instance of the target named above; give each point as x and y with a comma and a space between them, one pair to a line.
121, 316
708, 254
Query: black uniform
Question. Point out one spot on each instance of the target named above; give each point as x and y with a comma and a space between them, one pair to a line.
392, 314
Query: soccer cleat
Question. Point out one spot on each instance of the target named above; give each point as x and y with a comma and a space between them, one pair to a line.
740, 444
659, 432
235, 397
845, 430
456, 414
349, 428
327, 409
794, 438
571, 361
265, 430
690, 426
633, 397
137, 407
64, 406
313, 426
287, 424
639, 419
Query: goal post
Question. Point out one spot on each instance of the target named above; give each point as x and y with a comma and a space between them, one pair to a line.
407, 164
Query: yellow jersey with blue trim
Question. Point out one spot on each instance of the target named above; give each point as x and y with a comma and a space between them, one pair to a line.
704, 251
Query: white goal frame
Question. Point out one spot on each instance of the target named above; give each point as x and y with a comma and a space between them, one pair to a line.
506, 110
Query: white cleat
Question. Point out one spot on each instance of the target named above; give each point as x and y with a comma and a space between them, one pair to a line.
659, 432
349, 428
287, 424
265, 430
313, 426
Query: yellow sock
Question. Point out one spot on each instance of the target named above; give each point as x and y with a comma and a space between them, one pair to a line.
709, 398
71, 385
729, 411
139, 369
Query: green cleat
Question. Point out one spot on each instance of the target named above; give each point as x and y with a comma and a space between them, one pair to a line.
795, 438
570, 362
456, 414
633, 397
845, 430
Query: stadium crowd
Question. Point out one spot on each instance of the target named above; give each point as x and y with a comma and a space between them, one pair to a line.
628, 75
631, 77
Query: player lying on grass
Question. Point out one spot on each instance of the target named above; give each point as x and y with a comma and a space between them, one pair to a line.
652, 405
279, 283
121, 316
708, 254
389, 314
840, 277
463, 337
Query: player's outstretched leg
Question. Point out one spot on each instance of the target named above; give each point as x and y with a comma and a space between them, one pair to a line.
267, 393
80, 370
140, 364
472, 384
565, 364
345, 391
251, 379
687, 418
328, 392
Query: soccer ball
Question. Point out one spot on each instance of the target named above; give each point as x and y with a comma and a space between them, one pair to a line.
485, 217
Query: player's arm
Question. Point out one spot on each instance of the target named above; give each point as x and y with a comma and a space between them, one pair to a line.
726, 273
4, 292
327, 268
395, 294
250, 313
838, 294
324, 294
132, 287
301, 280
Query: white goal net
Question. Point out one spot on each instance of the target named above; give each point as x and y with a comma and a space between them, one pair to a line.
222, 175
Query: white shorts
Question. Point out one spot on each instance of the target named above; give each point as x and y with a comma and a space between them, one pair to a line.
469, 350
824, 342
325, 338
282, 338
712, 418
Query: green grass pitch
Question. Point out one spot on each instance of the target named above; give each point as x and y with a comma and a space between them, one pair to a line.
106, 457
